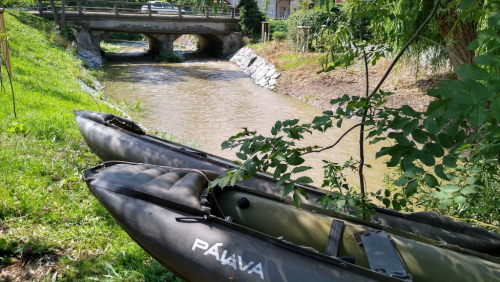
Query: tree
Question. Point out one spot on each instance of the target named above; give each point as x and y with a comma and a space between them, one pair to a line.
251, 17
447, 154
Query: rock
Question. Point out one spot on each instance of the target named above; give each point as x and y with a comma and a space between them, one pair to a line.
261, 72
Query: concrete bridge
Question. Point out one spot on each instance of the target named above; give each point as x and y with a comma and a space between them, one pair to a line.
100, 19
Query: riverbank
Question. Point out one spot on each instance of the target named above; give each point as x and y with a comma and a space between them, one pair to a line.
51, 227
299, 79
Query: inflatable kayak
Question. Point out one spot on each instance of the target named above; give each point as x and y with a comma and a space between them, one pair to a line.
241, 234
114, 138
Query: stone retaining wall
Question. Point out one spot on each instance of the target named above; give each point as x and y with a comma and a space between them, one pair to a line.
262, 72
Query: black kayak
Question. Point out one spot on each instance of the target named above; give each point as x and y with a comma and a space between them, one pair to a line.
114, 138
241, 234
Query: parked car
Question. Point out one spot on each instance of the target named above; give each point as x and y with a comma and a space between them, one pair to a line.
161, 8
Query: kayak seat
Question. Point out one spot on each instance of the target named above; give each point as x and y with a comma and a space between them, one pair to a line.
381, 255
154, 183
334, 238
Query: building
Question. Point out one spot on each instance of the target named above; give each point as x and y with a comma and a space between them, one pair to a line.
277, 9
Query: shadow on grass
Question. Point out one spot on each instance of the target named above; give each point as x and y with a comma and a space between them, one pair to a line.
135, 266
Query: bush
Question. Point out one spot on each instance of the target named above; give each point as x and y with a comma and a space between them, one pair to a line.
172, 57
278, 25
250, 17
279, 35
314, 18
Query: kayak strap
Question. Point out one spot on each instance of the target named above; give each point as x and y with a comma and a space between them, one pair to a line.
382, 256
334, 238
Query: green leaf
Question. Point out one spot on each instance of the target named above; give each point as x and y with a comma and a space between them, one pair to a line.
426, 158
376, 140
279, 170
303, 193
300, 169
495, 108
283, 178
460, 199
408, 111
464, 4
386, 202
452, 129
488, 59
449, 188
241, 156
436, 150
296, 199
471, 180
411, 188
431, 125
473, 72
468, 190
287, 189
295, 160
477, 116
450, 161
445, 140
398, 122
445, 203
419, 136
437, 108
439, 170
401, 181
430, 180
442, 195
304, 179
410, 127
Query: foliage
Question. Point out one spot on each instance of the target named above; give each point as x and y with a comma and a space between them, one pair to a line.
447, 156
172, 57
46, 211
278, 25
251, 17
18, 3
314, 18
279, 35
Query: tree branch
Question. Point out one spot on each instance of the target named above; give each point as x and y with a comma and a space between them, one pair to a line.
334, 144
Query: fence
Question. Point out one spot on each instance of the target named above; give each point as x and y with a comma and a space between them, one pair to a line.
62, 7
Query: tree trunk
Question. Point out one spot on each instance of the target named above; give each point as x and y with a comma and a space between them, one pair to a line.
457, 35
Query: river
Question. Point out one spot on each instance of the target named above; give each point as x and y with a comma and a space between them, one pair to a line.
205, 100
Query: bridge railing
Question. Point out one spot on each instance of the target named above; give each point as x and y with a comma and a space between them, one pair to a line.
120, 8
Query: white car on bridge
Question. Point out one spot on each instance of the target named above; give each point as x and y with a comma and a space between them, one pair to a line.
161, 8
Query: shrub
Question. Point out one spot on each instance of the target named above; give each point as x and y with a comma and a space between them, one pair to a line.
278, 25
279, 35
250, 17
314, 18
171, 57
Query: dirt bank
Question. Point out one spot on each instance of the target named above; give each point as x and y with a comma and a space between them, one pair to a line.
299, 79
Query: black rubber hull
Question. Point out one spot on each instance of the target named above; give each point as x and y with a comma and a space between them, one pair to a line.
124, 141
182, 246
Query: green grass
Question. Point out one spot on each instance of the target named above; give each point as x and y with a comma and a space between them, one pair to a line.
50, 224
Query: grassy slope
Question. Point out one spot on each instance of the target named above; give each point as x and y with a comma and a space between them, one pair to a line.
49, 221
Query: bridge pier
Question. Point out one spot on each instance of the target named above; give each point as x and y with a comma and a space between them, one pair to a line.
161, 43
88, 46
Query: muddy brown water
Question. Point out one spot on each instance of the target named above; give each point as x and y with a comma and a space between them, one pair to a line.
205, 100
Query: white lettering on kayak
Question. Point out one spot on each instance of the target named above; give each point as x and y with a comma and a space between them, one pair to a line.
243, 268
230, 260
200, 244
214, 251
257, 269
